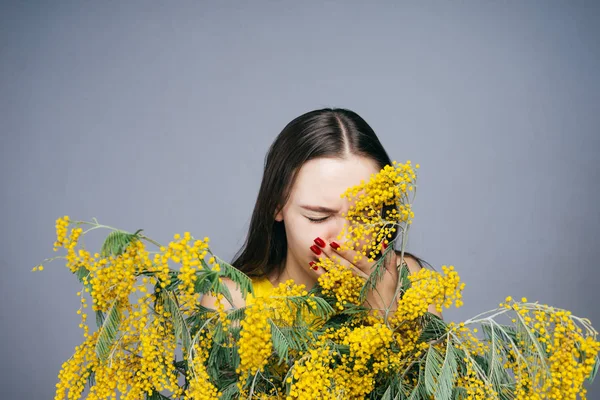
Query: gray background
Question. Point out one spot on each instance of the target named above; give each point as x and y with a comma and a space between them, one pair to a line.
157, 115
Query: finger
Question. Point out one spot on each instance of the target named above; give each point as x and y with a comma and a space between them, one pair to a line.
318, 271
323, 248
362, 261
353, 256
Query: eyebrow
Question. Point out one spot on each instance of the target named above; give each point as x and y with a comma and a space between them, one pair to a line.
319, 209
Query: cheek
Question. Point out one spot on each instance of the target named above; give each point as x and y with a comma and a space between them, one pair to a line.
305, 234
301, 234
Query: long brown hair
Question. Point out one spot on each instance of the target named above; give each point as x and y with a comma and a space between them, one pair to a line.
328, 132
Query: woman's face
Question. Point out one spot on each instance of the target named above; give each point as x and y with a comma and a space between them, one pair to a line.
315, 208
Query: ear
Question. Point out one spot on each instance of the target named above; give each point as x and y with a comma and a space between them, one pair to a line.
279, 214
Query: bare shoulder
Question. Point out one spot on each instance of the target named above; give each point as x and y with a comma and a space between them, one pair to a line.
411, 262
209, 301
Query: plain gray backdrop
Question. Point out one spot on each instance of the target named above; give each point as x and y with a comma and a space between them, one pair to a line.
158, 115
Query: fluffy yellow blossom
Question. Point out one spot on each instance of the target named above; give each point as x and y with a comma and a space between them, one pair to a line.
378, 209
340, 282
292, 344
201, 387
429, 287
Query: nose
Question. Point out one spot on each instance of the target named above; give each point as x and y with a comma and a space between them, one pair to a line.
334, 229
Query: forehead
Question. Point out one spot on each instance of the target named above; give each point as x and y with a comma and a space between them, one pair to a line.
321, 181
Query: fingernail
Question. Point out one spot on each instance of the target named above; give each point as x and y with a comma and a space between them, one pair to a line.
334, 245
385, 246
315, 249
313, 265
320, 242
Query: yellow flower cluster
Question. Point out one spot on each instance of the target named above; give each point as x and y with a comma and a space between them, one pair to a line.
139, 363
559, 344
311, 377
349, 356
140, 360
255, 343
324, 372
74, 373
406, 337
475, 387
113, 280
62, 228
429, 287
369, 346
157, 350
469, 341
222, 314
340, 281
379, 207
190, 257
201, 388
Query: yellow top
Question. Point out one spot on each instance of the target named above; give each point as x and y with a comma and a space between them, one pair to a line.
262, 288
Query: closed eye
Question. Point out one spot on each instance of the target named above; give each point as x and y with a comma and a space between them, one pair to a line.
317, 220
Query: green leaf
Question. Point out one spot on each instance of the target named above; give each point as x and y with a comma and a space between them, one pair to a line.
594, 370
84, 274
536, 358
322, 308
433, 366
376, 275
99, 318
230, 392
440, 372
494, 358
433, 327
117, 241
459, 393
182, 332
387, 395
108, 332
209, 281
204, 281
218, 287
389, 391
419, 392
218, 333
285, 338
183, 364
448, 374
242, 281
91, 377
237, 314
404, 281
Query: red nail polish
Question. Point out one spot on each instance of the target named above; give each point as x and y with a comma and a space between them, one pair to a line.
385, 246
320, 242
315, 249
315, 267
312, 264
334, 245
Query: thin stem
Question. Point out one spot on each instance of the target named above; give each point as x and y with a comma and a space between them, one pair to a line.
97, 225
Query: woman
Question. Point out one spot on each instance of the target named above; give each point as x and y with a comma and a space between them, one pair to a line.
298, 213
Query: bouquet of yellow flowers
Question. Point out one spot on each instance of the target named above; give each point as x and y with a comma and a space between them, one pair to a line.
155, 341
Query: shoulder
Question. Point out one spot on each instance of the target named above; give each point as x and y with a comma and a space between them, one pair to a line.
209, 301
411, 262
